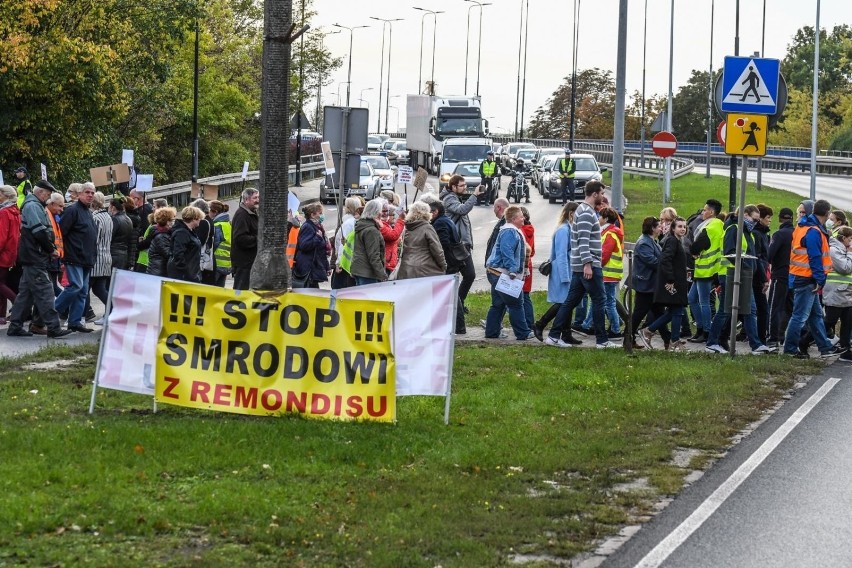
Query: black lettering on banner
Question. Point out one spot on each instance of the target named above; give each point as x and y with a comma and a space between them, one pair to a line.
334, 366
355, 364
238, 352
265, 308
325, 319
302, 320
368, 326
257, 361
187, 313
175, 343
236, 318
206, 357
295, 362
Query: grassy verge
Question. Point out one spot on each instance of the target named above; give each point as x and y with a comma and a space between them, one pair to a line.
538, 440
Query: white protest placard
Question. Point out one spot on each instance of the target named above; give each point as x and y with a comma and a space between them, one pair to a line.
144, 182
405, 174
327, 157
245, 170
43, 172
510, 286
127, 157
1, 178
292, 203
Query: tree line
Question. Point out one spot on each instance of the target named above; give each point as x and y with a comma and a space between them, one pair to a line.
595, 100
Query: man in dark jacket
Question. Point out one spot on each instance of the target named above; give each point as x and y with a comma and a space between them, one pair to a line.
761, 287
244, 238
80, 237
449, 236
780, 297
35, 251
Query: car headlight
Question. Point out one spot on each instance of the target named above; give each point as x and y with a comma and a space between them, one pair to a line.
386, 176
445, 178
597, 177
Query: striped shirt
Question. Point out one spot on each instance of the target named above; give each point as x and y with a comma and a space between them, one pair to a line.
585, 238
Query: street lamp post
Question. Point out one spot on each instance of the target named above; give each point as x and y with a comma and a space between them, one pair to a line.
524, 87
467, 44
320, 70
349, 75
195, 109
397, 116
338, 91
642, 125
710, 94
518, 88
574, 72
361, 98
381, 67
434, 37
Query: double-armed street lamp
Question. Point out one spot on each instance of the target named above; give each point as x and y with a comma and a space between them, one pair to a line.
349, 75
467, 44
361, 98
389, 23
434, 35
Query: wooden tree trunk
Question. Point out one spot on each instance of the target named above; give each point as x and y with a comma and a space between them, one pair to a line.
270, 270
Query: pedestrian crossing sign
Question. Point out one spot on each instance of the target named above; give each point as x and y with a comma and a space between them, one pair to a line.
750, 85
746, 134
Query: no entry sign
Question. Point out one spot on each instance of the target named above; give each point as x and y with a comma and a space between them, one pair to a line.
664, 144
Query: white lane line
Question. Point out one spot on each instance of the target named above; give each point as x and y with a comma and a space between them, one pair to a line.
678, 536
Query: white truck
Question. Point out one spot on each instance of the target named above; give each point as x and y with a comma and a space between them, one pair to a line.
431, 120
460, 150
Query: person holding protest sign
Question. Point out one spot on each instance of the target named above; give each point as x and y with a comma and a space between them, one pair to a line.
185, 258
312, 249
368, 256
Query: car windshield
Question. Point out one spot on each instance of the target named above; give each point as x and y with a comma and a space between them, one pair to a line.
400, 146
527, 154
379, 162
365, 169
585, 164
457, 126
388, 144
515, 148
465, 153
374, 140
467, 170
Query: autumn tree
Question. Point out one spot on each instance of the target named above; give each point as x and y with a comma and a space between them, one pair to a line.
594, 108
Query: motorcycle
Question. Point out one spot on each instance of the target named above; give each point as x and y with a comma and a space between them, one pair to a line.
517, 188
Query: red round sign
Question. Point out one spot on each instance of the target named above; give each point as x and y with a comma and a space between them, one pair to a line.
721, 131
664, 144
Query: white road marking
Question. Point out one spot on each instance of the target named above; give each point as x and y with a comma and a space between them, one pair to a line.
664, 549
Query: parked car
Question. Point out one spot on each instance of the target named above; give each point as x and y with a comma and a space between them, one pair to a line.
587, 169
398, 153
369, 185
374, 143
530, 158
470, 172
542, 172
386, 172
388, 144
306, 135
509, 152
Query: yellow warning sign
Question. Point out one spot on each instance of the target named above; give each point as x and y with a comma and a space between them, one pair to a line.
746, 134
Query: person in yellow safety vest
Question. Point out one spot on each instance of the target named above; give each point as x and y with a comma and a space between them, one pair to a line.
837, 294
706, 249
836, 220
24, 187
810, 262
221, 241
612, 265
344, 242
566, 169
488, 171
722, 319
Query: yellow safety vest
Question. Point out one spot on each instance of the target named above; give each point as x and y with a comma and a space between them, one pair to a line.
615, 267
836, 278
142, 259
22, 192
222, 252
348, 249
488, 168
566, 167
707, 264
727, 262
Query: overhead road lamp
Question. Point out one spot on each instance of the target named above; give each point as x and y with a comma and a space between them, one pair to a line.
389, 23
361, 98
349, 75
434, 35
467, 44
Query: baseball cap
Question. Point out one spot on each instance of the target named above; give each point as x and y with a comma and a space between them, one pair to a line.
489, 153
21, 169
785, 213
567, 150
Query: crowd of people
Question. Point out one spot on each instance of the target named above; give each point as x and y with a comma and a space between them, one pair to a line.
56, 250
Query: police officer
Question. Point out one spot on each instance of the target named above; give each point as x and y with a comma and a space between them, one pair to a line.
566, 169
488, 171
24, 186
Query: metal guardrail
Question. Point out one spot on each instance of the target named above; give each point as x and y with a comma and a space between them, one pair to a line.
312, 166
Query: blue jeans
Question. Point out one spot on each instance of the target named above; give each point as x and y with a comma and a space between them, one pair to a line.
699, 302
529, 315
722, 319
579, 287
672, 314
806, 311
611, 312
581, 312
361, 280
501, 303
73, 298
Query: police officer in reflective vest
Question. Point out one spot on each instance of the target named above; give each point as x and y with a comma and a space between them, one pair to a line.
487, 171
810, 263
24, 187
566, 169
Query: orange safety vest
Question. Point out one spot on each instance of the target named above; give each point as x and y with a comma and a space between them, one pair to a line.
292, 240
799, 261
57, 235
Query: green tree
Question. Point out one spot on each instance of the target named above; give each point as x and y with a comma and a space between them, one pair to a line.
594, 112
689, 108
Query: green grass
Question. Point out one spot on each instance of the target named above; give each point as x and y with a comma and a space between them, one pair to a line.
537, 440
688, 195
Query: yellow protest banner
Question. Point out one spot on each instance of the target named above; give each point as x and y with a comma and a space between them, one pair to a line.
745, 134
291, 353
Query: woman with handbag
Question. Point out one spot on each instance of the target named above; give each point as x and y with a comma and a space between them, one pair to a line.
312, 249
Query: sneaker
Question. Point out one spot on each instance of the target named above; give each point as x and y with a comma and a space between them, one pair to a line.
834, 340
772, 345
555, 342
645, 336
99, 321
761, 350
90, 317
615, 335
830, 353
678, 346
530, 335
580, 330
846, 356
503, 335
538, 331
607, 345
716, 349
59, 333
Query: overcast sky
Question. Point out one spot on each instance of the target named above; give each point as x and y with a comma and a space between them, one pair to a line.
549, 45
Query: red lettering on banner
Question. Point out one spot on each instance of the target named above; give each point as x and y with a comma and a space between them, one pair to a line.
382, 410
200, 391
173, 383
222, 395
355, 409
276, 402
245, 398
320, 404
299, 401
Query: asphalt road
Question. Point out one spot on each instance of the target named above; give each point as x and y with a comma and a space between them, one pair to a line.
780, 498
836, 189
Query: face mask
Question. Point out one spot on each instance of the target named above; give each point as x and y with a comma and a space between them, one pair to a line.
749, 223
321, 218
829, 224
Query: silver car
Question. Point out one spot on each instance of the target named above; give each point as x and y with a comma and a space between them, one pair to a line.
398, 153
369, 185
383, 169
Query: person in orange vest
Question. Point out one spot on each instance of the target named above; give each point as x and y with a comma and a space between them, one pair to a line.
810, 261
